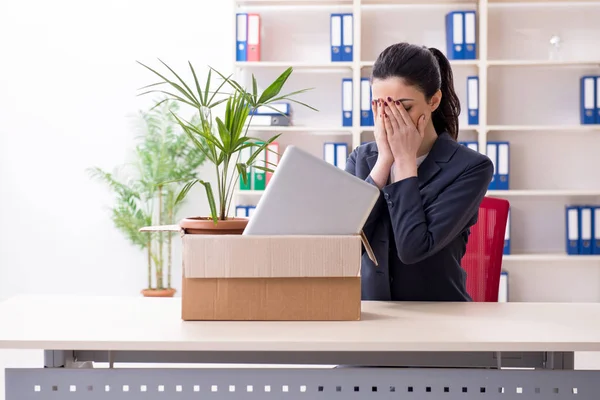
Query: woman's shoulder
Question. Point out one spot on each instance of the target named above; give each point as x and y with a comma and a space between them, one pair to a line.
471, 161
472, 158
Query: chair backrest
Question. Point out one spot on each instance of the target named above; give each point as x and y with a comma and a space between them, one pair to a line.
483, 257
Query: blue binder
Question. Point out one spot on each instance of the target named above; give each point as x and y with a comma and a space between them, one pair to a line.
503, 287
587, 226
347, 102
241, 211
366, 111
573, 229
492, 153
597, 119
274, 109
241, 29
455, 33
347, 37
506, 249
470, 37
502, 165
587, 102
336, 153
335, 32
473, 99
596, 230
473, 145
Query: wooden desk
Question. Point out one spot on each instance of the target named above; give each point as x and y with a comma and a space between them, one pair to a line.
477, 337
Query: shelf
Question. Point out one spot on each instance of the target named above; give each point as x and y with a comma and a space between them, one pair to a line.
297, 65
566, 128
455, 63
544, 193
294, 3
543, 63
249, 192
543, 2
413, 3
551, 257
307, 129
501, 193
465, 128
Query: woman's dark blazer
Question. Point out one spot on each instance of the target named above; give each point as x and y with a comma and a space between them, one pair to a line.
419, 226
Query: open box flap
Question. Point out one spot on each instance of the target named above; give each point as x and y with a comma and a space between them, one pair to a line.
368, 248
280, 256
177, 228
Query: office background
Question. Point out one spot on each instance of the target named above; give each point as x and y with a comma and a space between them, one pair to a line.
68, 86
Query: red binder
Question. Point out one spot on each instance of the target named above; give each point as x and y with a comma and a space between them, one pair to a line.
253, 37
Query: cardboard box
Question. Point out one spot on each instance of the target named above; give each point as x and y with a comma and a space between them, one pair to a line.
270, 278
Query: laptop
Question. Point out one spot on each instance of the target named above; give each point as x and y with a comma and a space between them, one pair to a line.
308, 196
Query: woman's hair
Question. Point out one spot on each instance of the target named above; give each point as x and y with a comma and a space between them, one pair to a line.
428, 70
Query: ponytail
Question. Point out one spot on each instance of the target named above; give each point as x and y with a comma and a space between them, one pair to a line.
445, 117
430, 71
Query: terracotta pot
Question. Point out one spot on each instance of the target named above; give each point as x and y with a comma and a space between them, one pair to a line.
206, 226
158, 292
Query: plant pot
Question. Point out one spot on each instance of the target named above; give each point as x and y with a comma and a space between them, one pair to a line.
158, 292
206, 226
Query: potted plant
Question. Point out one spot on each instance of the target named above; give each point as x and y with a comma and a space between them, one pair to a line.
142, 198
221, 139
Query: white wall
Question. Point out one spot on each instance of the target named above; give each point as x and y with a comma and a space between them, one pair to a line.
68, 85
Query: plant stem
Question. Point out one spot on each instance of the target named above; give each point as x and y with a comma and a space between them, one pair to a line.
160, 234
149, 253
169, 244
236, 177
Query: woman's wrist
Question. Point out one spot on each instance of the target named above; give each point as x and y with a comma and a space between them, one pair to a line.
381, 171
405, 167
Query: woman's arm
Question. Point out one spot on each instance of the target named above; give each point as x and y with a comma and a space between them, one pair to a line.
419, 231
375, 178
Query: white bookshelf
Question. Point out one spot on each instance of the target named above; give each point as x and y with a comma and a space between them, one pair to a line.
526, 97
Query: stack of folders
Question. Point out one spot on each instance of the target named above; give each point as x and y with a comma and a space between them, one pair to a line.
499, 153
258, 178
589, 100
244, 211
342, 37
366, 111
276, 114
247, 41
503, 289
583, 229
461, 37
336, 154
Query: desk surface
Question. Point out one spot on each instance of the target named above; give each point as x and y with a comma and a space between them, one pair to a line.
136, 323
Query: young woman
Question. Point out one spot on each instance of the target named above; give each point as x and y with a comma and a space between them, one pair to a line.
431, 186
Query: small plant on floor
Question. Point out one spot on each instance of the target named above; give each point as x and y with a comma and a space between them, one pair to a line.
142, 198
221, 139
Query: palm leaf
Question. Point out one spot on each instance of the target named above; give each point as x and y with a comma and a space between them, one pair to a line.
274, 88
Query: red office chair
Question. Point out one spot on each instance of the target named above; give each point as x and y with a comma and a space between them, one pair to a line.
483, 257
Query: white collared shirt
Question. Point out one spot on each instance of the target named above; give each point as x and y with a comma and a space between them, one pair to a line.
419, 161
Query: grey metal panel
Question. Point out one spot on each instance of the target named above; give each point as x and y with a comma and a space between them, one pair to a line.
295, 384
57, 358
412, 359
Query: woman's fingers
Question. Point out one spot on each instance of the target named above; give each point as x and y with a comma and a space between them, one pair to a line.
392, 113
387, 122
404, 114
393, 109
